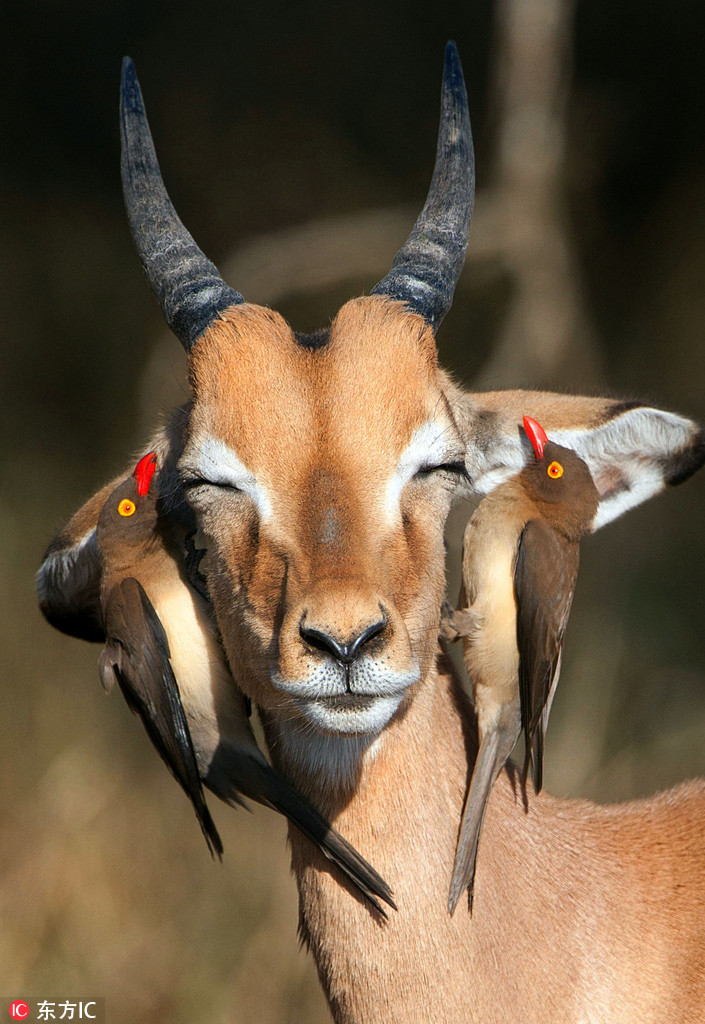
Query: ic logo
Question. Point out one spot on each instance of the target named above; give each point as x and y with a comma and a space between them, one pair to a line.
19, 1010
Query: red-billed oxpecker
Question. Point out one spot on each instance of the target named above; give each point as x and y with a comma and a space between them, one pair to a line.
137, 653
164, 651
520, 565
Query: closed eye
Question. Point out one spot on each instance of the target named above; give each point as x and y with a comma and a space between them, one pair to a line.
192, 482
456, 469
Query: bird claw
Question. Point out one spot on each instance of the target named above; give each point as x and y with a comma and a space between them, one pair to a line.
447, 629
192, 561
465, 621
457, 622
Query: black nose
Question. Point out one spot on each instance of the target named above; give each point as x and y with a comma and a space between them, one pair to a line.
345, 653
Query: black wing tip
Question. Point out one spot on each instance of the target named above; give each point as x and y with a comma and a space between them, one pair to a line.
537, 761
336, 848
354, 866
532, 764
272, 790
210, 833
359, 872
375, 904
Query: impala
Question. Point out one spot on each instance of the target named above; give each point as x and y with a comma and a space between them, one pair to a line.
319, 470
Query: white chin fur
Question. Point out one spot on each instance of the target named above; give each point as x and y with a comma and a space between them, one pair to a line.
366, 718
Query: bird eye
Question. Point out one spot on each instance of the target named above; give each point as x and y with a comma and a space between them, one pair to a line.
126, 507
555, 470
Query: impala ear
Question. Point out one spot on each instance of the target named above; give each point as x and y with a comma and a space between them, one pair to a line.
68, 581
633, 451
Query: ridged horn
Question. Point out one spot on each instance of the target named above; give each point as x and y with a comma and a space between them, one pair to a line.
188, 286
426, 269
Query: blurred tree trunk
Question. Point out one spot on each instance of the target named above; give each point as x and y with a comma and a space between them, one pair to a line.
547, 330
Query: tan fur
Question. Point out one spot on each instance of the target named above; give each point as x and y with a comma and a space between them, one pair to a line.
580, 911
570, 925
557, 410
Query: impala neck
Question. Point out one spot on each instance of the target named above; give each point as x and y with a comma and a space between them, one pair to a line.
403, 815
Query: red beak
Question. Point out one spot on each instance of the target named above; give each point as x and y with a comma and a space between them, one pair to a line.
144, 471
536, 434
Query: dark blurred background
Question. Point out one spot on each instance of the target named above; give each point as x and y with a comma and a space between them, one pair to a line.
297, 142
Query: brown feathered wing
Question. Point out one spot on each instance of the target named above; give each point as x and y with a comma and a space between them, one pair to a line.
544, 580
136, 654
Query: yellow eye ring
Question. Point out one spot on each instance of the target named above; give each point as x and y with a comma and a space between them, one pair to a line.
555, 470
127, 507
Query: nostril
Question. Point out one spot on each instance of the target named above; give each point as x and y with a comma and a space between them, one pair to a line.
343, 652
367, 634
321, 641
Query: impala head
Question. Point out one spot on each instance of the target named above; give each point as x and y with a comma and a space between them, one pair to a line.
320, 468
323, 490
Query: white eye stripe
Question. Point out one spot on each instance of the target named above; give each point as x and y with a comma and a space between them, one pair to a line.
431, 444
214, 462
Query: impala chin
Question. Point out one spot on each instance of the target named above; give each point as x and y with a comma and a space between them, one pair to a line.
358, 702
350, 714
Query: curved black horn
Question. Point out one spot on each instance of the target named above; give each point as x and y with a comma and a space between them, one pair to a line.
188, 286
427, 267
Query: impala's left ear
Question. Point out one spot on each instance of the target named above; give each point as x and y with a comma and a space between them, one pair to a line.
633, 451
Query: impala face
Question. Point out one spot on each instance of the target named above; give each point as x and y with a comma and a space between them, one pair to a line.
321, 475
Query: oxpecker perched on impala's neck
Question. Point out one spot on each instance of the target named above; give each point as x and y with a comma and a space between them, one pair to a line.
520, 564
163, 649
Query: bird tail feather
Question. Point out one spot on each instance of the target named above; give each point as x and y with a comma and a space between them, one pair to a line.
259, 781
495, 748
